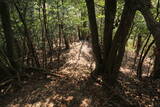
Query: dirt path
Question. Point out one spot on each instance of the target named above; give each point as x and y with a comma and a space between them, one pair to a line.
70, 88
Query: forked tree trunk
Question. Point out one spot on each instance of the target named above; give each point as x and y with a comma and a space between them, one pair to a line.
118, 46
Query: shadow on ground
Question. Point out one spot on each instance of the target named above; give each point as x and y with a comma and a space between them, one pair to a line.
72, 86
66, 91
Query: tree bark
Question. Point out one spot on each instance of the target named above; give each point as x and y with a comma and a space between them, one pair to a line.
9, 36
45, 25
154, 28
110, 13
94, 35
26, 34
118, 46
66, 42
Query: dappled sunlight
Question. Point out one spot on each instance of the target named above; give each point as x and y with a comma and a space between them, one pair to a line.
79, 53
72, 86
85, 102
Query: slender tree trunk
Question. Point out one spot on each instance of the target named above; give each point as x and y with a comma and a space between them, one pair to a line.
101, 28
79, 33
45, 25
83, 25
138, 48
140, 63
66, 42
139, 69
59, 35
94, 35
154, 28
42, 37
27, 35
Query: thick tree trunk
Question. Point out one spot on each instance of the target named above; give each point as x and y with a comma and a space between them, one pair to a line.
94, 35
10, 42
110, 12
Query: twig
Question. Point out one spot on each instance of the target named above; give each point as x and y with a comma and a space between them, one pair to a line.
5, 82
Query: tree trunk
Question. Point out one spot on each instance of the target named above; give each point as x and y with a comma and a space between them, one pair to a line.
156, 72
66, 42
154, 28
94, 35
9, 36
83, 25
27, 36
118, 46
139, 69
45, 25
79, 33
110, 12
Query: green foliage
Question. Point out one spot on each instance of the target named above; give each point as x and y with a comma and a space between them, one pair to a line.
72, 13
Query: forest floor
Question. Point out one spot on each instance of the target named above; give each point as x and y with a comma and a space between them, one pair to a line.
71, 85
